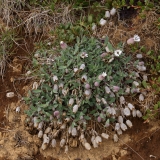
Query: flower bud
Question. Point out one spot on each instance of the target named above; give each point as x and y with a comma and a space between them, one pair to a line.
40, 134
104, 135
139, 56
123, 127
63, 45
119, 132
107, 14
87, 92
117, 126
130, 106
62, 142
139, 114
102, 22
87, 86
94, 27
129, 123
141, 97
74, 131
115, 138
96, 84
55, 87
55, 78
99, 119
113, 11
75, 70
107, 89
130, 41
71, 101
75, 108
53, 143
56, 113
84, 78
100, 77
115, 88
127, 112
103, 55
82, 67
87, 146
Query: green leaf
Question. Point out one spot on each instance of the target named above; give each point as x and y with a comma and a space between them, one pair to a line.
110, 47
144, 83
106, 40
43, 105
90, 18
156, 106
62, 67
37, 91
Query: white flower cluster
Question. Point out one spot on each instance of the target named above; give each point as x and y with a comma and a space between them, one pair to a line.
103, 21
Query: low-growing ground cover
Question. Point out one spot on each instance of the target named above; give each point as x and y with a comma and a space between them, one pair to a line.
84, 89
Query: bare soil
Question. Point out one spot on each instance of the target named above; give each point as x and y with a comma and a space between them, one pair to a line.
16, 143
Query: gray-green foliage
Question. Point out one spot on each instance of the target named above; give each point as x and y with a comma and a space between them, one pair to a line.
48, 98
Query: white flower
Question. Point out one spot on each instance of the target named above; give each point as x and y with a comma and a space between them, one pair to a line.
53, 143
74, 131
94, 27
104, 101
117, 53
55, 78
64, 92
55, 87
87, 146
127, 112
104, 74
75, 108
82, 67
75, 70
104, 135
123, 127
115, 138
134, 113
139, 56
35, 85
84, 55
120, 119
18, 109
136, 38
122, 100
62, 142
145, 78
40, 134
107, 90
129, 123
139, 114
130, 106
117, 126
102, 22
113, 111
141, 97
84, 78
113, 11
87, 92
119, 132
136, 83
71, 102
98, 139
127, 90
107, 14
